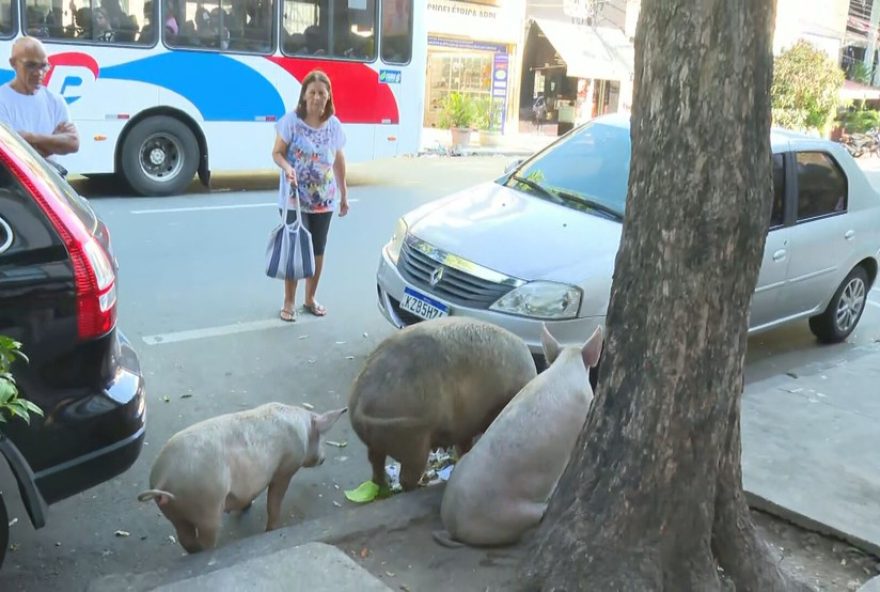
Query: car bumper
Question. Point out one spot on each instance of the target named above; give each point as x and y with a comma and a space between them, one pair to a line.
111, 421
391, 284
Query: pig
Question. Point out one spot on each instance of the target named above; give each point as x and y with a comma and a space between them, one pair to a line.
432, 385
222, 464
500, 489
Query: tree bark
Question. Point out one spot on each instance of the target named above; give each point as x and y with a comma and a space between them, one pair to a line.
652, 498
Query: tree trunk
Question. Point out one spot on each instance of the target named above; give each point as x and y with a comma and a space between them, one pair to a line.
652, 498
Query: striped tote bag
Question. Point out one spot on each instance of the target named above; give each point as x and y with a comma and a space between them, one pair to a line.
290, 255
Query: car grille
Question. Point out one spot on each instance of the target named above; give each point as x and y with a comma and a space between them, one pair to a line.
455, 285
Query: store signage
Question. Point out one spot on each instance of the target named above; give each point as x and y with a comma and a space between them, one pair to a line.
477, 21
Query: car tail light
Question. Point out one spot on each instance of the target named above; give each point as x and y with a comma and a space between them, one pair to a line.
94, 275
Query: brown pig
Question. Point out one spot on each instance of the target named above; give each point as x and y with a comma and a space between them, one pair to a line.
434, 384
221, 464
500, 489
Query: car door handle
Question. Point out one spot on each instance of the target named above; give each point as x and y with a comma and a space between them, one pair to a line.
850, 234
779, 255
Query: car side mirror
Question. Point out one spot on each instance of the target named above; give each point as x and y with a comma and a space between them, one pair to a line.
513, 164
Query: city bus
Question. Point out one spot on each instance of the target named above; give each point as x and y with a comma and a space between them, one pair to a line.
162, 90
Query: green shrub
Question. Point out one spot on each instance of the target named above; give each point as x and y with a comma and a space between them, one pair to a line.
11, 404
459, 110
806, 88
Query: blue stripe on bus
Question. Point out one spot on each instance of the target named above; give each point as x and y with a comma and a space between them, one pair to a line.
6, 76
222, 88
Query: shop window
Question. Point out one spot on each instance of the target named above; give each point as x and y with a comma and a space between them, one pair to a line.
220, 25
84, 21
397, 31
343, 29
7, 26
822, 188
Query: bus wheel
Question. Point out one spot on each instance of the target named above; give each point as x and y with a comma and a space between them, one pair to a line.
160, 156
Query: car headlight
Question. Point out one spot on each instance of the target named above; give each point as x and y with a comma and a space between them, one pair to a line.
541, 300
396, 243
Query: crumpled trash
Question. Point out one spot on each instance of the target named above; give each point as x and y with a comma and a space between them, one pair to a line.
439, 469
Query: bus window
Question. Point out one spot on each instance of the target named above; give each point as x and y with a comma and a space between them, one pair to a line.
225, 25
330, 29
397, 31
91, 21
7, 27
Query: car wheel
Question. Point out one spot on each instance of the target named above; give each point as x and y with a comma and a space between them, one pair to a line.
845, 309
4, 530
160, 156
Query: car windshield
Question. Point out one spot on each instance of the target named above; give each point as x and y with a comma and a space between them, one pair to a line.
587, 171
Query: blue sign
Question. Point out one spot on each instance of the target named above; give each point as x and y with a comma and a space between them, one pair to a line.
390, 76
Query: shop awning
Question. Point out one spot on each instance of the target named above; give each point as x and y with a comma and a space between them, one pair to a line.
602, 53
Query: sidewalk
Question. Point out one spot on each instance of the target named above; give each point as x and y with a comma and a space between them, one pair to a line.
437, 141
811, 448
810, 455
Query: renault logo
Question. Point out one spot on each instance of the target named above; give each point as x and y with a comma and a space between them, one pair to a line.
436, 276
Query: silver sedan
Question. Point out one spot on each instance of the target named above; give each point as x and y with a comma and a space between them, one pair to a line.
539, 244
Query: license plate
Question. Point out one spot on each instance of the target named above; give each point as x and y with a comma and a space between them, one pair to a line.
422, 306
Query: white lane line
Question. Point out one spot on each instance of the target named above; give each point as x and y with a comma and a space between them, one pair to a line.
202, 208
208, 208
178, 336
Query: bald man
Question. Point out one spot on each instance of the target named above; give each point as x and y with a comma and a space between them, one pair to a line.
39, 115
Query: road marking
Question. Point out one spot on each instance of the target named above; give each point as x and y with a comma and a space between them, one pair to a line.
178, 336
207, 208
203, 208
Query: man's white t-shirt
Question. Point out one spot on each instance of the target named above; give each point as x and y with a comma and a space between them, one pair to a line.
39, 113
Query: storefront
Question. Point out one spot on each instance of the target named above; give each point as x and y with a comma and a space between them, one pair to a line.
572, 69
472, 45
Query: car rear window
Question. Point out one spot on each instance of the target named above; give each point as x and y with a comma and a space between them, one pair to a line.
39, 168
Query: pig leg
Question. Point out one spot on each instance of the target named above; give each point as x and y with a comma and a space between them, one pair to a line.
277, 488
377, 461
412, 466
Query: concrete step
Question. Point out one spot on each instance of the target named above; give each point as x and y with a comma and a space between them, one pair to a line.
313, 567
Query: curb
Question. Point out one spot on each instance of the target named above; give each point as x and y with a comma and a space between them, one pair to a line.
394, 513
758, 502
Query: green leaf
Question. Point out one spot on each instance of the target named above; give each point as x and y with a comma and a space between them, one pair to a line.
8, 391
19, 411
33, 407
363, 493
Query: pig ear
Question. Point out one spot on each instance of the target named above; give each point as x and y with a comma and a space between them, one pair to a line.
550, 345
325, 421
593, 349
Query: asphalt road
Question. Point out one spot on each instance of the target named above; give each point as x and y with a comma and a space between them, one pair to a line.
196, 305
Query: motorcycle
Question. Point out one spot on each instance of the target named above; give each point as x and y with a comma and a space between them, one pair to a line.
859, 144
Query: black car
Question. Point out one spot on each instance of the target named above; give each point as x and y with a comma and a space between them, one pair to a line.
58, 298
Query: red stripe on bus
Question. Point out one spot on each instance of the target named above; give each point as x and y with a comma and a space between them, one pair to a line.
357, 93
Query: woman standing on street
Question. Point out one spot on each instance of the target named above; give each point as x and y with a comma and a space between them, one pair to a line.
308, 149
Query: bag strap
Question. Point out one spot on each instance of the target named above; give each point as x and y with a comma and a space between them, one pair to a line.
295, 190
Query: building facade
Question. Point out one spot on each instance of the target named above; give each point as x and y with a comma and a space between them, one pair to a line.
577, 60
472, 49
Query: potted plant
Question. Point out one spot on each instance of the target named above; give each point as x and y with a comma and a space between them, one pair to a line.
12, 405
459, 113
489, 122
